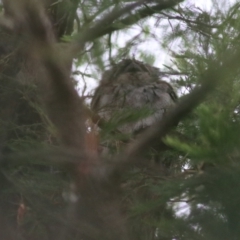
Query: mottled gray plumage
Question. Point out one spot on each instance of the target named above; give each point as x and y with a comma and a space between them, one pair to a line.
132, 85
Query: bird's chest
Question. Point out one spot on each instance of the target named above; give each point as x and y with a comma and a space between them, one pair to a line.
135, 90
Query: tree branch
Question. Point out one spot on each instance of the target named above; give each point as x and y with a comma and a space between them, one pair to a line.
213, 77
105, 25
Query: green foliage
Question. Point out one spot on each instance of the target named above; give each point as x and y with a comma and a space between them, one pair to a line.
210, 186
200, 170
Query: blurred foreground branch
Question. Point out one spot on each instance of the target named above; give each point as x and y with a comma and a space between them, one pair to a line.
212, 78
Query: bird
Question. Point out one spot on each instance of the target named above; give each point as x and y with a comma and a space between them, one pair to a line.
133, 94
